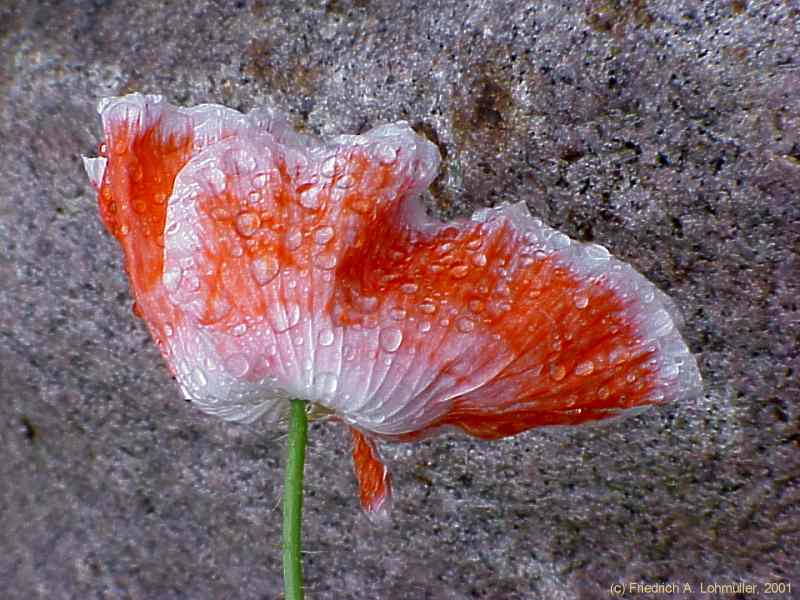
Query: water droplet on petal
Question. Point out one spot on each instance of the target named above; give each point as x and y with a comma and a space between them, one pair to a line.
216, 179
239, 330
325, 261
345, 182
259, 180
603, 392
311, 198
425, 326
237, 365
292, 314
390, 339
428, 308
247, 223
581, 301
398, 314
326, 383
479, 260
557, 372
459, 271
326, 337
220, 214
409, 288
465, 324
331, 166
172, 279
367, 304
173, 228
323, 235
264, 269
474, 244
387, 155
217, 309
294, 239
584, 368
670, 371
168, 331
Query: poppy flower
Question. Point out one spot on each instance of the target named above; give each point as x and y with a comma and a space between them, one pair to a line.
269, 265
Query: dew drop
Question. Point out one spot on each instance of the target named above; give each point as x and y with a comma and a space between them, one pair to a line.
172, 279
192, 283
216, 179
459, 271
239, 330
618, 356
323, 235
581, 301
428, 308
218, 308
331, 166
409, 288
367, 304
465, 324
345, 182
670, 371
326, 337
474, 244
603, 392
173, 228
326, 383
237, 365
220, 214
387, 155
479, 260
293, 314
584, 368
311, 198
398, 314
247, 223
264, 269
283, 320
259, 180
325, 261
390, 339
557, 372
294, 239
425, 326
168, 331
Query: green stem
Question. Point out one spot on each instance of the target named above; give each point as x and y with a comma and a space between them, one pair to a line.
293, 502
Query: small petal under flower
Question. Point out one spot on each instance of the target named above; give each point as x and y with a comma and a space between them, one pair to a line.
269, 266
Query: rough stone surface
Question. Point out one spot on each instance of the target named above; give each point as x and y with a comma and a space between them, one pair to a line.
668, 132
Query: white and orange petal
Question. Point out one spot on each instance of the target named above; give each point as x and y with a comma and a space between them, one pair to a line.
271, 266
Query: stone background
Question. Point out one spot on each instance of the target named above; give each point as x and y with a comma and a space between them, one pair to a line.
667, 131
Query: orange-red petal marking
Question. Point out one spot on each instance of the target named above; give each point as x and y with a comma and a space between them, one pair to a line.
269, 265
374, 480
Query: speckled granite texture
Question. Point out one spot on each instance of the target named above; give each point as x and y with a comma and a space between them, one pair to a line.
667, 131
